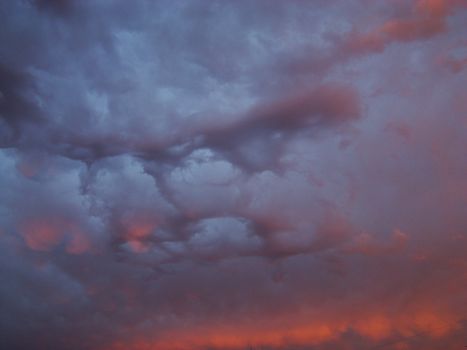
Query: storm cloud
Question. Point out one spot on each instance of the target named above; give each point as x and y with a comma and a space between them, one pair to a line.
233, 175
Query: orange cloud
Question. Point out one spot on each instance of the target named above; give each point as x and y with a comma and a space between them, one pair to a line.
427, 20
79, 242
42, 234
138, 227
374, 327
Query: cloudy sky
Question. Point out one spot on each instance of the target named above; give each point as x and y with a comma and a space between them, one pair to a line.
229, 175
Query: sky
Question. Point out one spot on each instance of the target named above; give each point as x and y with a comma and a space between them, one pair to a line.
233, 174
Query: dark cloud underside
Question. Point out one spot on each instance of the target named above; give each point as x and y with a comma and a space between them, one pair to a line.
233, 175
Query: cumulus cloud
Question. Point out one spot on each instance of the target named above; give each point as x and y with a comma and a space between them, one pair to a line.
231, 175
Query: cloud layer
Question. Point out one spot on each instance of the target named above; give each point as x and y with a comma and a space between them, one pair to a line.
233, 175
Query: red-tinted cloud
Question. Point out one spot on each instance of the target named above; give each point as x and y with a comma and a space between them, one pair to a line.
229, 175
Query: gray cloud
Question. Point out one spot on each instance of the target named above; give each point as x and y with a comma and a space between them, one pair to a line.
206, 175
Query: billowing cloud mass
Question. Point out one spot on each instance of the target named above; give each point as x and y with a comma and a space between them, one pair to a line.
228, 175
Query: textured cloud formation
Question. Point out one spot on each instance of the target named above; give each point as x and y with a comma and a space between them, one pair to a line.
190, 175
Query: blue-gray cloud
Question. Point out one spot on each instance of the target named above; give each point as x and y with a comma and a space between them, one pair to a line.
202, 174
